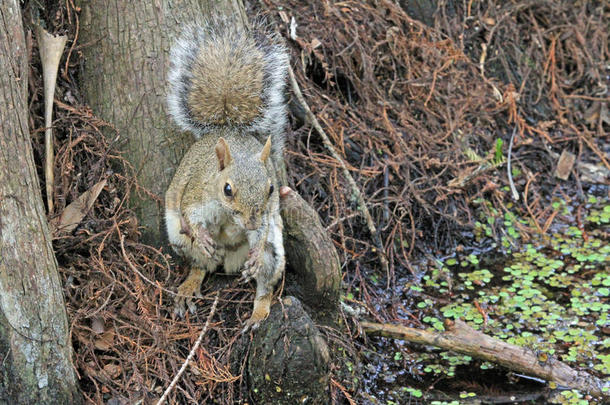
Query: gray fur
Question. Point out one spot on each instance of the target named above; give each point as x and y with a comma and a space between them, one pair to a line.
272, 120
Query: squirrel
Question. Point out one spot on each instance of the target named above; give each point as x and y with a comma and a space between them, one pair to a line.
226, 86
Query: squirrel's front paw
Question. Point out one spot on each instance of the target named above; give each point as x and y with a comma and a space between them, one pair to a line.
203, 240
253, 265
200, 237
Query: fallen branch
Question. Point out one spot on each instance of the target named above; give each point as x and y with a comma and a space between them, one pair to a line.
191, 354
361, 203
461, 338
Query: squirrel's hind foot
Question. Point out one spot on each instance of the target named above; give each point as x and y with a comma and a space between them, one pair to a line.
187, 291
260, 313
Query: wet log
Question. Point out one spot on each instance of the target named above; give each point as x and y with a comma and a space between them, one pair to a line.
461, 338
289, 359
311, 256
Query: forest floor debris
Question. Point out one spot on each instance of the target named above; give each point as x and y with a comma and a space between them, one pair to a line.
421, 115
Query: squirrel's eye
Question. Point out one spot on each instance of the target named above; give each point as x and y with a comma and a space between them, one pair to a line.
271, 189
228, 191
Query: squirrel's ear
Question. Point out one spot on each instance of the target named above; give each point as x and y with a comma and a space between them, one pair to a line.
265, 151
222, 153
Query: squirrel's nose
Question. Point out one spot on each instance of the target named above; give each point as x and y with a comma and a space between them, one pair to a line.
253, 221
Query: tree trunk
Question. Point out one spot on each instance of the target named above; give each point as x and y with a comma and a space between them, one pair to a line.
35, 351
124, 80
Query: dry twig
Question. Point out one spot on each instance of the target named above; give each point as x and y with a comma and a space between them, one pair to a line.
354, 187
191, 354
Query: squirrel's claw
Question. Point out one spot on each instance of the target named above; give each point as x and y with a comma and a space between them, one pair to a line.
191, 305
259, 314
248, 274
182, 303
188, 291
255, 320
251, 326
185, 229
179, 308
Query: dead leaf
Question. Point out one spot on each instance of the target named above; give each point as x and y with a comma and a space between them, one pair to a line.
97, 325
564, 165
591, 173
113, 370
76, 211
106, 340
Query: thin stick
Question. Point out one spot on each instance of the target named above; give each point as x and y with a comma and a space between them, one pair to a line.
362, 204
132, 267
513, 189
191, 354
343, 390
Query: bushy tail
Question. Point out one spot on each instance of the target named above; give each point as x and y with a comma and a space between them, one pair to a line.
222, 75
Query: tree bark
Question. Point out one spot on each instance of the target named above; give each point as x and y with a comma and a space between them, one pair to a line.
35, 351
124, 81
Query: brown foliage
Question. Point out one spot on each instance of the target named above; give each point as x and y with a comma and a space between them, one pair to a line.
405, 105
